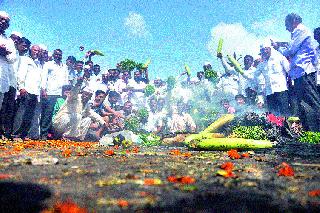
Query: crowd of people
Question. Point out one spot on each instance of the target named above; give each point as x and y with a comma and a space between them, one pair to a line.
42, 97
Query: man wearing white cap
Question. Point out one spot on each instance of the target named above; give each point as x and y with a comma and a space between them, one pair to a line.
44, 54
274, 68
75, 116
16, 36
7, 57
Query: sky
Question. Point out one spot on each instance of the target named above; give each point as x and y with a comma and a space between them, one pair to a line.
170, 33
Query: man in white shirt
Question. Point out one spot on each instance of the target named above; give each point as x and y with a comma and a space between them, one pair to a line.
274, 68
70, 62
75, 116
232, 78
96, 75
123, 85
103, 84
137, 98
155, 122
181, 120
95, 78
301, 51
23, 48
29, 83
8, 105
55, 75
8, 56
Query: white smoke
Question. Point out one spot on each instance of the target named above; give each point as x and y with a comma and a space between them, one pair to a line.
236, 38
136, 25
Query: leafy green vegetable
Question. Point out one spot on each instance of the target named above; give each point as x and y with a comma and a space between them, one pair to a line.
132, 123
128, 64
150, 139
126, 143
143, 115
149, 90
140, 66
249, 132
211, 75
310, 137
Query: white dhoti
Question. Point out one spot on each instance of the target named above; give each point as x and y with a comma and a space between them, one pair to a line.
73, 126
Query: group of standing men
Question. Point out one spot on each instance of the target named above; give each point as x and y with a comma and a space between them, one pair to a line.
26, 74
290, 83
287, 74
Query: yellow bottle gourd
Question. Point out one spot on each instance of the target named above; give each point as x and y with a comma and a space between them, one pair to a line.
188, 70
220, 43
229, 143
236, 64
147, 63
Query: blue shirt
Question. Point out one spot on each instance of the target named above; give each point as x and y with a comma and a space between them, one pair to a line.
301, 51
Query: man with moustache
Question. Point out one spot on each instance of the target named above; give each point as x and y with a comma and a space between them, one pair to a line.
55, 75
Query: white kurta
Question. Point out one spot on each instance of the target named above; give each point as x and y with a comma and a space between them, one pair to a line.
6, 75
274, 72
240, 82
180, 123
229, 85
154, 121
120, 85
73, 119
54, 76
29, 75
138, 99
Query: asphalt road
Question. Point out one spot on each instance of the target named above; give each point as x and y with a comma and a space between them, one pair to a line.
157, 179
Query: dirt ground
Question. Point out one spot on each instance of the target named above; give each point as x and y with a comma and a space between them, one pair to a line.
157, 179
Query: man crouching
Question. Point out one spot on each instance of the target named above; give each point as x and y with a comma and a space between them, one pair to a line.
75, 116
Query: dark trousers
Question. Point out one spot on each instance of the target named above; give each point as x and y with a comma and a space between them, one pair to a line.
47, 106
28, 101
278, 103
293, 101
308, 99
8, 111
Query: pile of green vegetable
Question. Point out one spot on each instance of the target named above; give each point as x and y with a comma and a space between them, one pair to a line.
143, 115
149, 90
134, 123
211, 75
310, 137
249, 132
150, 139
208, 140
128, 64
